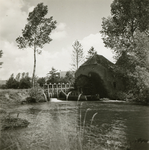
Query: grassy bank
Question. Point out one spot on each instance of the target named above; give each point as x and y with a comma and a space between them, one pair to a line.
11, 97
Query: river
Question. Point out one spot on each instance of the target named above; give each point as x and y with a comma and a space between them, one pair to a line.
74, 125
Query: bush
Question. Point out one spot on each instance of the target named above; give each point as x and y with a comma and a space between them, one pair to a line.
36, 94
11, 83
126, 96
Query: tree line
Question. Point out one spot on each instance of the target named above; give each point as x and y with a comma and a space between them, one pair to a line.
23, 81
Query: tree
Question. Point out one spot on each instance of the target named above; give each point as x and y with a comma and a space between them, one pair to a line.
18, 77
25, 83
53, 76
77, 55
11, 83
41, 81
126, 32
36, 32
141, 50
91, 52
69, 77
1, 52
127, 18
23, 75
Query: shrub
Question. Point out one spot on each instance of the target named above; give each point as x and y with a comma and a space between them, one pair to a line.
36, 94
11, 83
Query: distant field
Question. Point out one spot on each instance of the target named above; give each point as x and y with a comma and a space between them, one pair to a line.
2, 82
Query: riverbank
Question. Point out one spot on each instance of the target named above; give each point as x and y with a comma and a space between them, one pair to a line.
12, 97
9, 100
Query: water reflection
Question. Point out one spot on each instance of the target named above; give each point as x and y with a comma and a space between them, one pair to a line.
70, 125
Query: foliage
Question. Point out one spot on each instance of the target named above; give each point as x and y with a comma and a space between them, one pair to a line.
77, 55
41, 81
126, 32
25, 83
36, 94
91, 52
18, 77
142, 49
12, 83
1, 52
69, 77
17, 82
127, 18
36, 32
141, 86
53, 76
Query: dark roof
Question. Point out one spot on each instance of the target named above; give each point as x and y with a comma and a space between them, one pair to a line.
98, 59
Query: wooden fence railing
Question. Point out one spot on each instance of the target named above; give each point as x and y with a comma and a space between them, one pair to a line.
53, 90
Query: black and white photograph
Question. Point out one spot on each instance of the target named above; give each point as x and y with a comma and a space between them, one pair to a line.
74, 74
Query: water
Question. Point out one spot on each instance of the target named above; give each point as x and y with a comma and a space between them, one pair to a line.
59, 125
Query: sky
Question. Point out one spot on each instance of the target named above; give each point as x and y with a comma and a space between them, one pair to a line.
76, 20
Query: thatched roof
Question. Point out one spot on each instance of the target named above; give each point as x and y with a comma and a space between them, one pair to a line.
98, 60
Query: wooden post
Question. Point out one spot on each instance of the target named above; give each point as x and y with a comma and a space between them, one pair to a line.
65, 87
48, 95
61, 86
52, 90
57, 90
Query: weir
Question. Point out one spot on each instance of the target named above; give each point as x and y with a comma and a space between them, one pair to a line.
53, 90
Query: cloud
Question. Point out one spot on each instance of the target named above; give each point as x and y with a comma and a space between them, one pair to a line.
13, 20
16, 60
60, 32
59, 60
95, 40
11, 17
61, 26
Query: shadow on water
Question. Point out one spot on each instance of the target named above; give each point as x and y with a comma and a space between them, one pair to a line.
79, 126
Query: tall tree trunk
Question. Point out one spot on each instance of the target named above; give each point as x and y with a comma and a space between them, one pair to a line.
34, 69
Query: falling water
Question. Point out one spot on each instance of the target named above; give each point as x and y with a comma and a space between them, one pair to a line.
85, 97
79, 97
45, 96
68, 95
